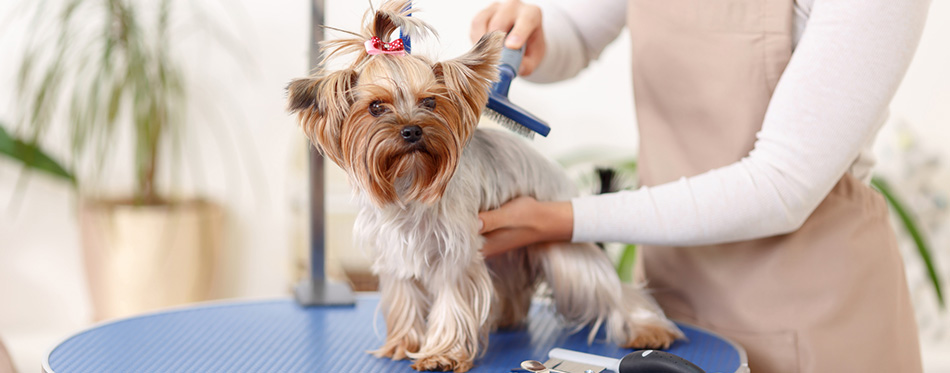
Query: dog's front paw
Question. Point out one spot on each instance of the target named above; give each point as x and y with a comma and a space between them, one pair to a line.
653, 337
397, 348
448, 362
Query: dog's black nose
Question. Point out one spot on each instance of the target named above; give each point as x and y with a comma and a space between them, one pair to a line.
411, 134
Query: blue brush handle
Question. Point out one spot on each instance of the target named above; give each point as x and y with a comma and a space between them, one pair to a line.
498, 99
406, 42
508, 69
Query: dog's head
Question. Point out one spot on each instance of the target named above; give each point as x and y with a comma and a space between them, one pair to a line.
395, 122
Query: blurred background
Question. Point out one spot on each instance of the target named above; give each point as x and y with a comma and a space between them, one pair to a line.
189, 179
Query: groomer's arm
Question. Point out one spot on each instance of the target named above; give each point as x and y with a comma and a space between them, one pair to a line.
831, 100
562, 36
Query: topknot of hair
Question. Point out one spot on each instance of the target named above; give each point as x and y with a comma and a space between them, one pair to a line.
380, 22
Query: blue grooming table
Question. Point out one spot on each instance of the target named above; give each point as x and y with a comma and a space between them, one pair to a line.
280, 336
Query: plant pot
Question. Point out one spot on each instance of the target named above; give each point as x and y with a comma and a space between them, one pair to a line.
141, 258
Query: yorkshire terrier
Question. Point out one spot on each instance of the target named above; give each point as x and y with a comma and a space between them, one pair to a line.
404, 129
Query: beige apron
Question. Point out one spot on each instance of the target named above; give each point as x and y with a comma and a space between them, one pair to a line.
830, 297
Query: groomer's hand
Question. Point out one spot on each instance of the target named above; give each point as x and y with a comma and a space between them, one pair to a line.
523, 24
524, 221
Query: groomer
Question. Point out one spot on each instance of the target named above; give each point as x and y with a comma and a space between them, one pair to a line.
756, 121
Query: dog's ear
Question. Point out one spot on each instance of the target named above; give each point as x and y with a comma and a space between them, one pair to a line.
470, 76
322, 93
321, 103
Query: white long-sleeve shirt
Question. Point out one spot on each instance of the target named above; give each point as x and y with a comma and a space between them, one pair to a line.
849, 58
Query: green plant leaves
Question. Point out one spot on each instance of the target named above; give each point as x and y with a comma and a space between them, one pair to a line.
31, 156
912, 227
627, 263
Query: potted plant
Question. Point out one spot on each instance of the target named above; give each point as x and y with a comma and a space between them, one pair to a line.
103, 71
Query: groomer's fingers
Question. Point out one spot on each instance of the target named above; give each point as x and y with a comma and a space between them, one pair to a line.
480, 22
524, 221
504, 240
505, 16
512, 214
533, 53
525, 25
491, 220
522, 22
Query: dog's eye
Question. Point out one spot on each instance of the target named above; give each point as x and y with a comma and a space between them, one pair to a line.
428, 103
376, 108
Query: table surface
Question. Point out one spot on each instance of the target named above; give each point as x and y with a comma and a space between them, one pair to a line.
280, 336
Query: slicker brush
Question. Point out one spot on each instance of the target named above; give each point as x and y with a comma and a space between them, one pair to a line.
503, 111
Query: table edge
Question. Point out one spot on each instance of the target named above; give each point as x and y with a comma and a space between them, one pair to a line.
743, 357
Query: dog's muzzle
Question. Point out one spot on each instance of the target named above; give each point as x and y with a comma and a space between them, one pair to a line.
411, 134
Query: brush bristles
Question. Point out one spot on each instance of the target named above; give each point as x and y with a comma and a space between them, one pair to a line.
508, 123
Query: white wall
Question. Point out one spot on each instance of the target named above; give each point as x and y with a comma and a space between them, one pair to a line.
259, 173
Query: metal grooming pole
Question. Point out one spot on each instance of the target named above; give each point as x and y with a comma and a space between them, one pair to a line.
318, 290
